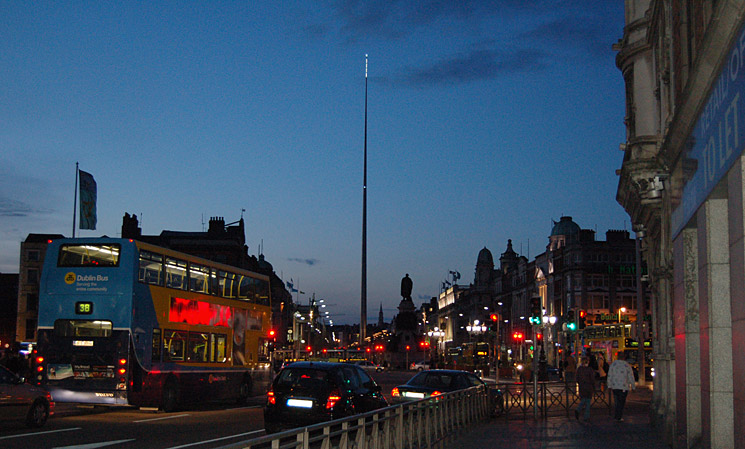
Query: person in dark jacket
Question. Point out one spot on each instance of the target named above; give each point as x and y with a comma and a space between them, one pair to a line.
586, 384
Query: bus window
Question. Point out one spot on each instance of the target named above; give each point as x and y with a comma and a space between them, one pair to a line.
218, 343
245, 290
228, 284
199, 278
82, 328
151, 268
156, 345
174, 345
198, 347
175, 273
89, 256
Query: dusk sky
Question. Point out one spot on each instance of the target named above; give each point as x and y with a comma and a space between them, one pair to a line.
487, 120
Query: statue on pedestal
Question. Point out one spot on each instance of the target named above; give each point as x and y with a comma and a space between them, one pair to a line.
406, 285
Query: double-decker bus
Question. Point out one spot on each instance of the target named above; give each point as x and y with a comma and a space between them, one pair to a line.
609, 339
122, 322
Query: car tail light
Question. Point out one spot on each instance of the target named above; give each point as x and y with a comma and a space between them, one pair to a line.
436, 393
270, 399
333, 398
395, 393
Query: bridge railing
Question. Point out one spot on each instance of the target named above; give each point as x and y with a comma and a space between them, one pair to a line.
425, 423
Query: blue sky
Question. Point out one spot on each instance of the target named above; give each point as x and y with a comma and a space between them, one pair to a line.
487, 120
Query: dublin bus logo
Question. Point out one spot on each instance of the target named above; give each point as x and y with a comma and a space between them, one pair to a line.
70, 278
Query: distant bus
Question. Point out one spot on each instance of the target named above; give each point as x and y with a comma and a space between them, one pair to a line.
610, 339
122, 322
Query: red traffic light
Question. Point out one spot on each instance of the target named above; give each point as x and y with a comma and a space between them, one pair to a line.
539, 337
494, 317
308, 348
272, 333
582, 313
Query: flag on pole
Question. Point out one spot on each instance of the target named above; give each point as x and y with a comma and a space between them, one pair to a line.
87, 201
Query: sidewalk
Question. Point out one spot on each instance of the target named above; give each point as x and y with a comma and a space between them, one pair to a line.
566, 432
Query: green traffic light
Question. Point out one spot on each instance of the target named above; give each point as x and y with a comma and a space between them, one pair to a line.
572, 326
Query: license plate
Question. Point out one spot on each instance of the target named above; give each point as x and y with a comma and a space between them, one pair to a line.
411, 394
87, 343
303, 403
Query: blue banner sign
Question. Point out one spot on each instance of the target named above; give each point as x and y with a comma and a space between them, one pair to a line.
718, 137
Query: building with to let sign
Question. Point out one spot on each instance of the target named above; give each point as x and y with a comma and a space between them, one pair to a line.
682, 182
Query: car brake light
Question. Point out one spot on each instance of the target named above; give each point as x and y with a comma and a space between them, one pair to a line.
436, 393
332, 400
40, 360
395, 392
270, 399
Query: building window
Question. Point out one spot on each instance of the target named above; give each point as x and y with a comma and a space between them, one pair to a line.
32, 301
30, 330
32, 255
32, 276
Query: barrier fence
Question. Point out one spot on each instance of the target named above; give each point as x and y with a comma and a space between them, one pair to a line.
426, 423
523, 399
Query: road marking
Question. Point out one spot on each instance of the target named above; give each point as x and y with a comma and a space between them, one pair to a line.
162, 418
218, 439
95, 445
39, 433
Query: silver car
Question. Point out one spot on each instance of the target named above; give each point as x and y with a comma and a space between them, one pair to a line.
22, 401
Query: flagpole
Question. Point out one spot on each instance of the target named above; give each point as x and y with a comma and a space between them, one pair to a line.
75, 202
363, 287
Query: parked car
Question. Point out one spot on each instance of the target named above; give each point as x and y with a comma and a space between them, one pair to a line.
419, 366
23, 402
305, 393
430, 383
369, 366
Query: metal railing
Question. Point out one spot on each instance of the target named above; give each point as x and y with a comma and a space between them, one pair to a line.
547, 398
426, 423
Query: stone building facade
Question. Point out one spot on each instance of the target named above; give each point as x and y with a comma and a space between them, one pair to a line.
682, 181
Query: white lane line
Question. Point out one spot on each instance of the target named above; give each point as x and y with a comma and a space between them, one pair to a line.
218, 439
38, 433
95, 445
162, 418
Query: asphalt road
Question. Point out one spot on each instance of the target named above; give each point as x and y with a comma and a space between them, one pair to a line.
207, 425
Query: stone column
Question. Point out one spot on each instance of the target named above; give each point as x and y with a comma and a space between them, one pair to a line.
736, 189
715, 323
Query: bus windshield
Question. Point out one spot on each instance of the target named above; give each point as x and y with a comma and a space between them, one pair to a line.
89, 256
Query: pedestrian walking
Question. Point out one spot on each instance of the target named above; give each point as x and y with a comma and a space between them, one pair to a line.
570, 369
586, 384
621, 381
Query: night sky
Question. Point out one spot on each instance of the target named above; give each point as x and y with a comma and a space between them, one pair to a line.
487, 120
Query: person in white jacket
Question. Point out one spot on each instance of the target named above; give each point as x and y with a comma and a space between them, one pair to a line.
621, 381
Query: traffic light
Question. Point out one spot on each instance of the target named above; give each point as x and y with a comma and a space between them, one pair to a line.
582, 316
535, 310
571, 322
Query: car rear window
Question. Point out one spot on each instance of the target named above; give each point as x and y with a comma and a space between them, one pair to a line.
304, 378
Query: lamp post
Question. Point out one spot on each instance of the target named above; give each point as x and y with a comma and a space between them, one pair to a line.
620, 311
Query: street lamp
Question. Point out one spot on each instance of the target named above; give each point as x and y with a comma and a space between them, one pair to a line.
621, 310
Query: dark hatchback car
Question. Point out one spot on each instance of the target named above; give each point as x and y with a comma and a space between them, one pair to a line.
430, 383
305, 393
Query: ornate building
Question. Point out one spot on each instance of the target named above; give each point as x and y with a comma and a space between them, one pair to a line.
682, 183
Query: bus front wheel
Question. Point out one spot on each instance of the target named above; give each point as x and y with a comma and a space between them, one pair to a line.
170, 397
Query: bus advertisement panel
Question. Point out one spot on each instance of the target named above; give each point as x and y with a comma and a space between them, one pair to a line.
122, 322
